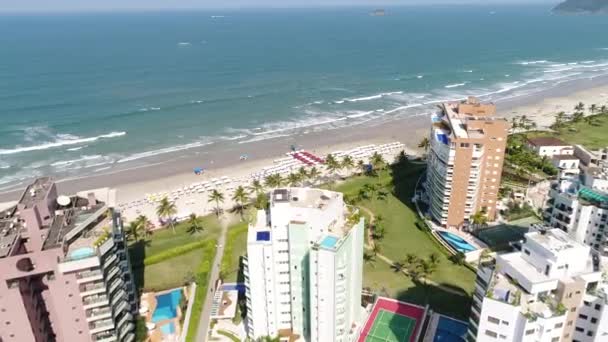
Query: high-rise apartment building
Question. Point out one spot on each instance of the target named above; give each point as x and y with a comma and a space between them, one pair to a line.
64, 270
552, 290
304, 268
465, 159
580, 211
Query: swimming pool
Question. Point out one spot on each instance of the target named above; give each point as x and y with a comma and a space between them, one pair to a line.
449, 330
456, 242
329, 241
168, 329
166, 306
81, 253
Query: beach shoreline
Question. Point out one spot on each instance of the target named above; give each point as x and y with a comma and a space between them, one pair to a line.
224, 159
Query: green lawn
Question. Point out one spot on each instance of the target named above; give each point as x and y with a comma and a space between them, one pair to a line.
236, 246
591, 136
399, 216
165, 239
384, 281
173, 272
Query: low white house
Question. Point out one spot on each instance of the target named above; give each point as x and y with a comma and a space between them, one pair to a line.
549, 146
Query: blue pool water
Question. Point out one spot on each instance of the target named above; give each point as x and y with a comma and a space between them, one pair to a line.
456, 242
329, 241
168, 329
82, 253
449, 330
166, 306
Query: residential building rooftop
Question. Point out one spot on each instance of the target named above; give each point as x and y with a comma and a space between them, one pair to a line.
547, 141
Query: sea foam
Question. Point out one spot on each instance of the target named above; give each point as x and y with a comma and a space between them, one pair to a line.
61, 142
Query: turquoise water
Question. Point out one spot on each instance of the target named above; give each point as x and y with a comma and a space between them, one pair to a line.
456, 242
168, 329
166, 306
85, 94
329, 242
82, 253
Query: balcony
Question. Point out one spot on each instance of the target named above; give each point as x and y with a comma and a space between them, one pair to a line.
88, 276
92, 288
95, 301
104, 337
99, 326
97, 314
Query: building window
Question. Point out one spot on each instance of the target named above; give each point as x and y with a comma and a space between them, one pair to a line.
559, 325
493, 320
530, 332
491, 333
582, 316
598, 307
593, 320
590, 333
579, 329
505, 322
555, 339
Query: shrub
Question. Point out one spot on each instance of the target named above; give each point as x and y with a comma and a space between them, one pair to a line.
202, 282
229, 335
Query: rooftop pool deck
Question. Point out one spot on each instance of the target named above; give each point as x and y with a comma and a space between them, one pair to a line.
329, 241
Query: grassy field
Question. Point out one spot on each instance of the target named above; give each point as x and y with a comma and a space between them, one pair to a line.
173, 272
592, 136
386, 282
402, 236
165, 239
236, 246
399, 216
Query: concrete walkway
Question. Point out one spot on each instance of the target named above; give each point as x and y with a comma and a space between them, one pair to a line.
203, 324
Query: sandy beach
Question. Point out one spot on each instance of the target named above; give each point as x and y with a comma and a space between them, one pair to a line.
164, 176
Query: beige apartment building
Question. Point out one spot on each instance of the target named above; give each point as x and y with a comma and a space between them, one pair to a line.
465, 160
64, 269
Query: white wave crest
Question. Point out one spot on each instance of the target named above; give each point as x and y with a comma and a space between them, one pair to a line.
147, 109
419, 76
61, 142
153, 153
65, 163
184, 44
76, 148
455, 85
542, 61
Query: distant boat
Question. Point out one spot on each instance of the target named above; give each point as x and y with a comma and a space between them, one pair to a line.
378, 13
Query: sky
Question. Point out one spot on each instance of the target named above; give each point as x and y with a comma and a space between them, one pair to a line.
119, 5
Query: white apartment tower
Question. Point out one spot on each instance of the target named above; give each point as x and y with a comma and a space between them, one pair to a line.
303, 271
580, 211
552, 290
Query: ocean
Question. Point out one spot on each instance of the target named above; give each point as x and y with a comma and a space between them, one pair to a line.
84, 94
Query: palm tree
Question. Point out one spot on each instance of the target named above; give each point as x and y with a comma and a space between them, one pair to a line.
133, 231
314, 174
559, 120
382, 195
593, 108
398, 266
370, 259
331, 164
217, 197
256, 186
377, 161
434, 258
479, 218
294, 179
361, 166
303, 173
579, 107
376, 248
378, 232
240, 197
274, 180
167, 209
195, 224
425, 143
347, 163
577, 116
145, 225
514, 123
370, 189
604, 109
261, 201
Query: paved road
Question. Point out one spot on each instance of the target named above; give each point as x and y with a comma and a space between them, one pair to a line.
203, 324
